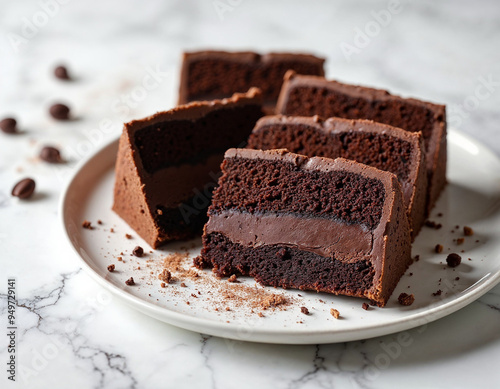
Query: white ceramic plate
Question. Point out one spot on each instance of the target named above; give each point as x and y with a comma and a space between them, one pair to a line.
471, 198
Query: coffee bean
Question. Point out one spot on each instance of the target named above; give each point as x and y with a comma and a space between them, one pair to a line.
50, 154
61, 72
24, 188
59, 111
8, 125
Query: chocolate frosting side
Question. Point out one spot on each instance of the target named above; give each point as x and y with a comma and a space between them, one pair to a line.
322, 236
414, 186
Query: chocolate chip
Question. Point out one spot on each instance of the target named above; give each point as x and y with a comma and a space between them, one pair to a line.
138, 251
50, 154
8, 125
59, 111
438, 249
111, 268
130, 281
24, 188
468, 231
406, 299
365, 306
304, 310
453, 260
61, 72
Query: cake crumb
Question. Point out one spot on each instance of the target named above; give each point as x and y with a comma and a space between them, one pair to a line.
406, 299
119, 259
365, 306
111, 230
165, 276
417, 258
88, 225
99, 222
163, 285
233, 278
261, 314
334, 313
111, 268
457, 278
460, 241
130, 281
128, 236
437, 293
138, 251
453, 260
183, 285
273, 301
431, 224
438, 249
193, 295
468, 231
304, 310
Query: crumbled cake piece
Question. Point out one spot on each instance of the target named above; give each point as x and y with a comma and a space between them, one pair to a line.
99, 222
130, 281
183, 285
406, 299
437, 293
165, 276
431, 224
304, 310
453, 260
460, 241
163, 285
438, 249
365, 306
468, 231
273, 301
111, 268
128, 236
233, 278
88, 225
334, 313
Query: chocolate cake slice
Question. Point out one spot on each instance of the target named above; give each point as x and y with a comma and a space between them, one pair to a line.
320, 224
309, 96
168, 164
208, 75
375, 144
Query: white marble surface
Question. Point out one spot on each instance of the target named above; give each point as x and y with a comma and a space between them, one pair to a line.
72, 332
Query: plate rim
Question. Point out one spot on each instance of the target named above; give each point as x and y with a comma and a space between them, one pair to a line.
260, 335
